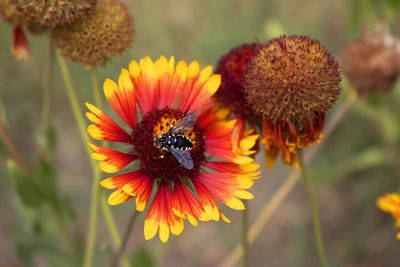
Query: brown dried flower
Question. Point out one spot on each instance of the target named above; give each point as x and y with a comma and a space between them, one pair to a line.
291, 83
53, 13
372, 63
104, 33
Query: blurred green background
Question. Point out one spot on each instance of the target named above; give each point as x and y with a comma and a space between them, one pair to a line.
356, 164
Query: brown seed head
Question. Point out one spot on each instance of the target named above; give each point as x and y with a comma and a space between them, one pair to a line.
9, 10
292, 78
232, 66
53, 13
372, 63
104, 33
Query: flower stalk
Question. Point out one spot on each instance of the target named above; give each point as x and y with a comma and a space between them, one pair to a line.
88, 257
317, 224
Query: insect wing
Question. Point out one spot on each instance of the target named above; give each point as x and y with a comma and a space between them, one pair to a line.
186, 123
184, 157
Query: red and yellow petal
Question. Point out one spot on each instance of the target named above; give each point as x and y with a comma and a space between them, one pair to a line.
105, 128
160, 216
122, 97
133, 184
113, 160
19, 45
227, 188
199, 88
157, 84
243, 140
250, 169
141, 187
117, 197
186, 205
207, 200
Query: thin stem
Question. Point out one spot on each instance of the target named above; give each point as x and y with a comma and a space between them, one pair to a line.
88, 258
12, 148
126, 238
96, 88
106, 211
48, 74
283, 191
314, 203
245, 229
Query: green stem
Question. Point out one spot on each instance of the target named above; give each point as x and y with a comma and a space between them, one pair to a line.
317, 226
48, 73
245, 230
126, 238
107, 214
88, 258
96, 88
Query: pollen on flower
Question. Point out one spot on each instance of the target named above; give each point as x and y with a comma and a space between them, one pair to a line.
159, 163
292, 78
105, 32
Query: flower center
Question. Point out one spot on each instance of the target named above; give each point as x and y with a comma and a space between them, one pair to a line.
156, 158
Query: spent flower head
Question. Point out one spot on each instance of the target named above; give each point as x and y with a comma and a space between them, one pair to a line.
53, 13
291, 83
390, 203
108, 31
174, 144
372, 63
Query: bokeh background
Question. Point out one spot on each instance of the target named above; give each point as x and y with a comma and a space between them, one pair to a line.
355, 165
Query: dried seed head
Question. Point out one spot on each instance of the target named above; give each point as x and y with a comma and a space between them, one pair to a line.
104, 33
292, 78
9, 10
53, 13
232, 66
372, 63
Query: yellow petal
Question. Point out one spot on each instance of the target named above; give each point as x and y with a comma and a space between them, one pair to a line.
171, 65
117, 197
193, 69
134, 69
107, 183
124, 80
95, 132
244, 194
205, 73
164, 232
181, 70
235, 203
107, 167
109, 88
213, 83
192, 220
150, 228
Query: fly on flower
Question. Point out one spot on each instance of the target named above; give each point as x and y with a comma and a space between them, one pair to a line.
175, 142
180, 157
